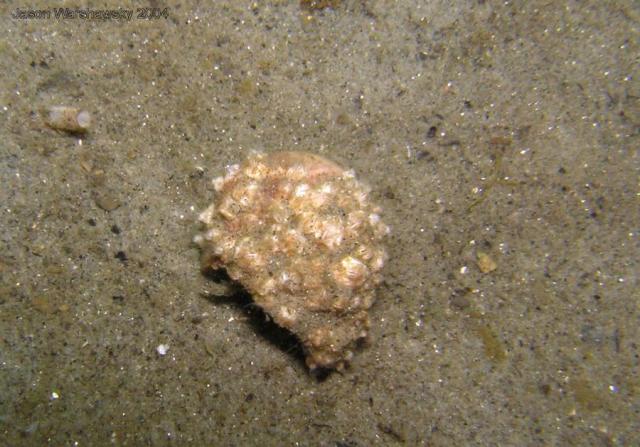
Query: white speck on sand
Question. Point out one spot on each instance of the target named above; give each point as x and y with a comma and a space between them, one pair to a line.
162, 349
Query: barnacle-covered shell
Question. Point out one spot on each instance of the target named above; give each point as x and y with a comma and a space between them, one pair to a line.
300, 234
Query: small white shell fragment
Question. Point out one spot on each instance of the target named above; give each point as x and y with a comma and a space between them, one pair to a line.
69, 119
162, 349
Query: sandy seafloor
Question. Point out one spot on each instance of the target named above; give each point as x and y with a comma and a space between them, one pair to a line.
499, 129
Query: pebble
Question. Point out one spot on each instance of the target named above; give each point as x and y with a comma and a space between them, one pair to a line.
486, 264
107, 201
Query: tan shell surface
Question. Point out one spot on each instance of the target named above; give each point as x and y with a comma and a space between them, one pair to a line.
300, 234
